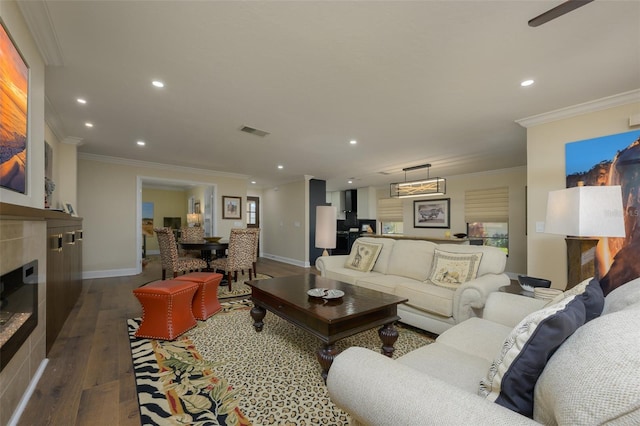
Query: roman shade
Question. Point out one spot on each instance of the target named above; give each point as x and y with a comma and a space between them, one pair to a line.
487, 205
390, 210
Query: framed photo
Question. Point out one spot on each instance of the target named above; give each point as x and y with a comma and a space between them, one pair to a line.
231, 207
68, 207
432, 213
14, 115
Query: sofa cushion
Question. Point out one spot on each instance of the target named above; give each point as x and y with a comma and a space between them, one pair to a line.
513, 374
476, 336
591, 295
426, 296
380, 282
452, 269
382, 263
350, 276
622, 296
445, 363
411, 259
363, 256
593, 377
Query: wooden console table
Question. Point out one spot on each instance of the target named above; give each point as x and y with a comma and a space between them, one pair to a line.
436, 240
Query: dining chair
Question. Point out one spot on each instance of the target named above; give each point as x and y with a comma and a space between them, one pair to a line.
256, 242
171, 261
191, 233
239, 254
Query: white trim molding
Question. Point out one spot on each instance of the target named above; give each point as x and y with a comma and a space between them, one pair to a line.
586, 107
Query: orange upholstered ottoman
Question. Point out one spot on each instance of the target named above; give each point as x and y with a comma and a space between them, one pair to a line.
166, 309
205, 302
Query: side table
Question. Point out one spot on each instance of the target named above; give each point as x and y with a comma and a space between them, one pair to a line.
515, 288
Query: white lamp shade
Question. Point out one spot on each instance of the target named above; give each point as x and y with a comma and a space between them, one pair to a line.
586, 211
326, 227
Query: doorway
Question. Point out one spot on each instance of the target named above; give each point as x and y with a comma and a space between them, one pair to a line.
253, 216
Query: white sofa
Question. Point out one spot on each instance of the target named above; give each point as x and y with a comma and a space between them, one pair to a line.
403, 268
592, 379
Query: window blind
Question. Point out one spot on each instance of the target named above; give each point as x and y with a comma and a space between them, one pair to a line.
390, 210
487, 205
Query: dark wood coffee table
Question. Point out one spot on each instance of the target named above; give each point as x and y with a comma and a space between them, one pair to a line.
358, 310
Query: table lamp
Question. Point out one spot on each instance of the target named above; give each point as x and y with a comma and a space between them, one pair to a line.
584, 214
193, 219
326, 228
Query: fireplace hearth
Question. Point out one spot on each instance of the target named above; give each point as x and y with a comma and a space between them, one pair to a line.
18, 309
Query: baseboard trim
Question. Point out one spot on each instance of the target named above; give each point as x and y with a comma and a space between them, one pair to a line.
109, 273
286, 260
27, 394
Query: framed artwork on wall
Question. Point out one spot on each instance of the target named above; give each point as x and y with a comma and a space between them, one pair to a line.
14, 115
431, 213
231, 207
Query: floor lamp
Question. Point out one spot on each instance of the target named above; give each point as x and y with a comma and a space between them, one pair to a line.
325, 228
584, 214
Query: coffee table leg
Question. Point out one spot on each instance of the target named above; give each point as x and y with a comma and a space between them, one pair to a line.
258, 313
326, 355
388, 334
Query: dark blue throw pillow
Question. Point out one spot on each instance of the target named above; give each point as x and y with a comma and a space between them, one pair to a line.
513, 374
593, 299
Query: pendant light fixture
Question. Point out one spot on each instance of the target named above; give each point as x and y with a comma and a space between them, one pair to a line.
418, 188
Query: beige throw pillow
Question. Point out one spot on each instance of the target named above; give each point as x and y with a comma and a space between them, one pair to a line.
363, 256
452, 269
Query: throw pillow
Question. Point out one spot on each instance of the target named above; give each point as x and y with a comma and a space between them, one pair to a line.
452, 269
513, 374
591, 294
363, 256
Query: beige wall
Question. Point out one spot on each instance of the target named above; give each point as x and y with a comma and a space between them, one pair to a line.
546, 172
18, 30
285, 228
514, 178
108, 203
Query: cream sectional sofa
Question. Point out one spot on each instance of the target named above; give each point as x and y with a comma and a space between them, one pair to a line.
403, 268
591, 379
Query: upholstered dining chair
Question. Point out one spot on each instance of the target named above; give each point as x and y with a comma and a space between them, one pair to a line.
169, 255
239, 254
255, 249
191, 233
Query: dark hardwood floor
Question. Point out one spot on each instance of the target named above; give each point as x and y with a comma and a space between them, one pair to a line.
89, 379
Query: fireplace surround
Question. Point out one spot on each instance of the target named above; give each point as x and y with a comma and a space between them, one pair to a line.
18, 309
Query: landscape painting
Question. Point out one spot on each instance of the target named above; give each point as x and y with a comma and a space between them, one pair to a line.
612, 160
14, 95
147, 219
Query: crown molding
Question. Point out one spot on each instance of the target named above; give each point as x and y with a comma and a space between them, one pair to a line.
52, 118
72, 140
159, 166
36, 15
579, 109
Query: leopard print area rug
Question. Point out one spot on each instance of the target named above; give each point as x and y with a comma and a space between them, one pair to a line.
266, 378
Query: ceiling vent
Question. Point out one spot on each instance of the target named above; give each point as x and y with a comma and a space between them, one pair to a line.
254, 131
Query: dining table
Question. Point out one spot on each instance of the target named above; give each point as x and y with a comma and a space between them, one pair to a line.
207, 248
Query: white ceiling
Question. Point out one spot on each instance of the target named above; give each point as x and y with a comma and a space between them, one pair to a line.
413, 82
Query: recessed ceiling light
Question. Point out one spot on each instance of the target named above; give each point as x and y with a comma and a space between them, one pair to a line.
253, 182
81, 101
141, 143
157, 83
353, 141
280, 166
88, 124
526, 83
349, 181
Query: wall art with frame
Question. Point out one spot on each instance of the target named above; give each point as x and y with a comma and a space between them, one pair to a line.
14, 114
231, 207
432, 213
611, 160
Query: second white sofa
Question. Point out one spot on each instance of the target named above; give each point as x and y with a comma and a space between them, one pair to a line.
404, 268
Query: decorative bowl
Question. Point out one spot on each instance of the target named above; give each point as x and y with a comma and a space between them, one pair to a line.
212, 239
325, 293
317, 292
460, 235
529, 283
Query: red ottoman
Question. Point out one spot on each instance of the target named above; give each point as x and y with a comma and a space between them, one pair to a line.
205, 302
166, 309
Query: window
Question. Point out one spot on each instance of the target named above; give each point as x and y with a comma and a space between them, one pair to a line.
487, 216
390, 215
494, 234
252, 212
